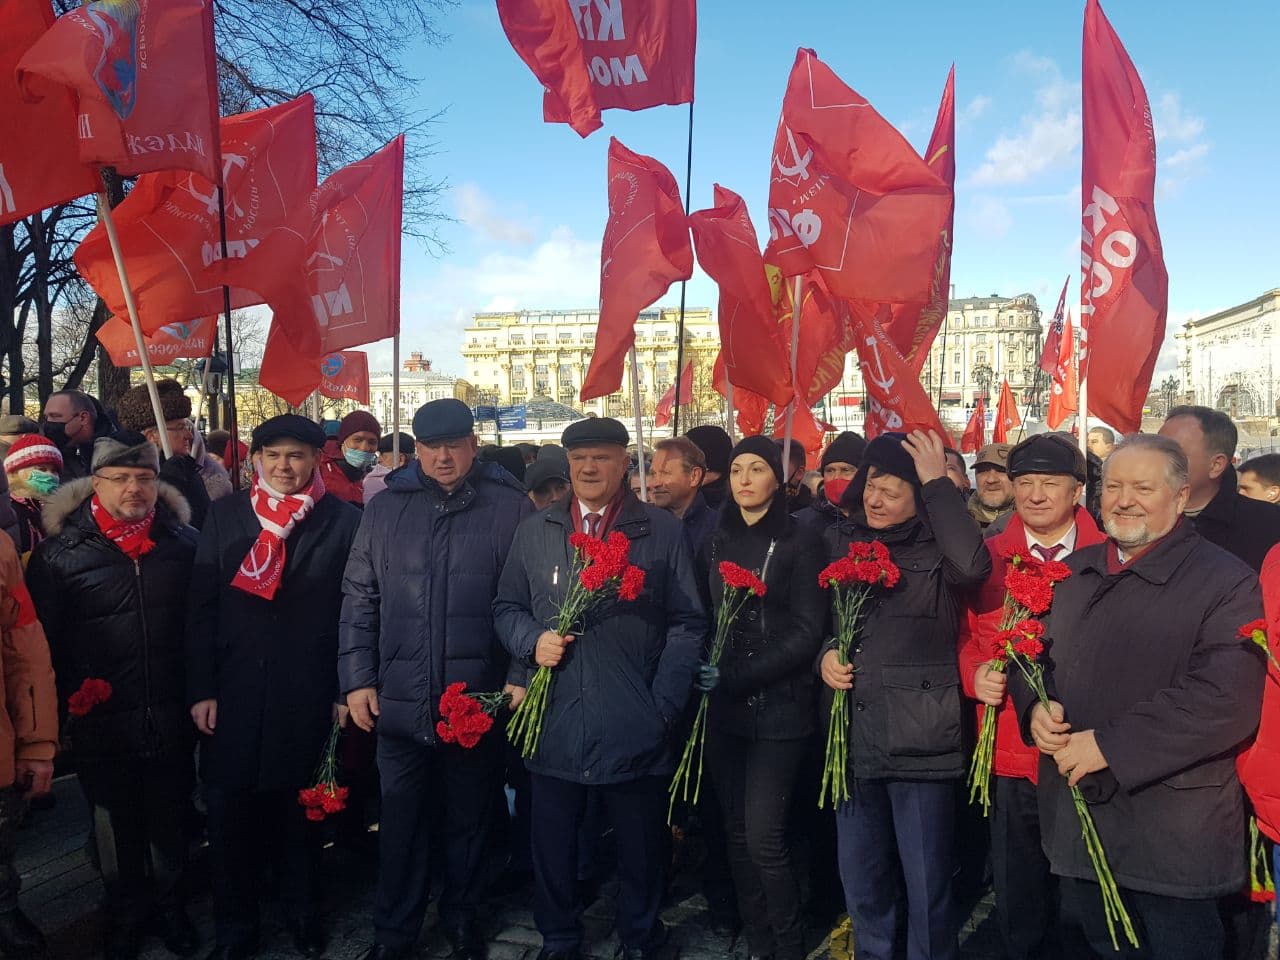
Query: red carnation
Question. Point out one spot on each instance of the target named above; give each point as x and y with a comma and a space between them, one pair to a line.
91, 693
632, 583
580, 541
1055, 570
1030, 648
1029, 589
315, 813
1252, 627
593, 577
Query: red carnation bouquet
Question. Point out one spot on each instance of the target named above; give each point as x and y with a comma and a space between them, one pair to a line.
1023, 645
851, 580
465, 718
1028, 584
325, 797
601, 571
740, 585
1262, 888
91, 693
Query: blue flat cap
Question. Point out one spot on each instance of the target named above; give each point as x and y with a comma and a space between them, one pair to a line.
594, 432
439, 420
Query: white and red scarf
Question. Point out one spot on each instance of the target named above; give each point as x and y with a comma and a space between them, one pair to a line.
131, 536
262, 569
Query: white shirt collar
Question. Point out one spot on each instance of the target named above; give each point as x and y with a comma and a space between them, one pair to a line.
1067, 541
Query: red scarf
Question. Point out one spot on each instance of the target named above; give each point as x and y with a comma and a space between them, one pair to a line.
131, 536
262, 569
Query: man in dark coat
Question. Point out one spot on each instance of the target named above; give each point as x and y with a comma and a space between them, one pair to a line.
715, 446
73, 420
1220, 513
679, 467
839, 464
905, 747
1152, 692
620, 683
110, 585
262, 652
417, 615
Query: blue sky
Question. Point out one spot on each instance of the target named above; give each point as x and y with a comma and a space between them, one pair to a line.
529, 197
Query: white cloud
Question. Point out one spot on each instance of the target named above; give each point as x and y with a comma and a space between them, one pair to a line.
1186, 157
990, 218
974, 109
1172, 122
1045, 137
474, 208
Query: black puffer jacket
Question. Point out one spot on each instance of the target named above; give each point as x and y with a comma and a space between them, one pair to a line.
1248, 528
907, 712
767, 686
109, 619
417, 612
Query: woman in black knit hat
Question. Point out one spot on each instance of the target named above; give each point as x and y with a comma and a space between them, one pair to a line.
905, 753
762, 693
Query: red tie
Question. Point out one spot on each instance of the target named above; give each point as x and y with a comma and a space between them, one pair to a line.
1048, 553
592, 524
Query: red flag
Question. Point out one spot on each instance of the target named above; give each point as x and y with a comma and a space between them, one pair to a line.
345, 376
332, 277
666, 406
145, 78
826, 336
914, 325
974, 437
1063, 399
849, 197
806, 430
594, 56
1007, 416
895, 399
1053, 339
42, 170
749, 332
645, 249
1125, 288
168, 224
174, 341
750, 408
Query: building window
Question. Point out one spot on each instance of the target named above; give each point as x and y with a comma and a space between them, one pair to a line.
566, 373
589, 337
517, 338
542, 338
475, 341
981, 338
957, 359
955, 377
565, 336
981, 357
517, 381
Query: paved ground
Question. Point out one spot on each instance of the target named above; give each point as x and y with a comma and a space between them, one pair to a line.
61, 892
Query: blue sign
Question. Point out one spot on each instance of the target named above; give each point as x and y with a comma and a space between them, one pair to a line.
511, 418
486, 413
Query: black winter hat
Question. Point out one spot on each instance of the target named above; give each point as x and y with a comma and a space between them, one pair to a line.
445, 419
764, 448
848, 447
387, 443
1047, 453
887, 454
287, 426
593, 432
715, 446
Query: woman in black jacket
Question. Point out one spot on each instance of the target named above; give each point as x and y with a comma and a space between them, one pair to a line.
904, 736
762, 692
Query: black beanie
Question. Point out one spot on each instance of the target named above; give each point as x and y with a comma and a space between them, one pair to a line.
715, 446
887, 454
848, 448
764, 448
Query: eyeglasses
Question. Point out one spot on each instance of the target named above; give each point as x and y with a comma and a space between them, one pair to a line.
124, 479
182, 429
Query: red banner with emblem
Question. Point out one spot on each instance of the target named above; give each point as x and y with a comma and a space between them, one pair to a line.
345, 376
145, 78
183, 340
895, 400
169, 227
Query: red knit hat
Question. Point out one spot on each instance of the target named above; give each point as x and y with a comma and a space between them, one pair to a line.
32, 450
357, 421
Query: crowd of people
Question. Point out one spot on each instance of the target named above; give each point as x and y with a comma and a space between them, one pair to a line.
188, 652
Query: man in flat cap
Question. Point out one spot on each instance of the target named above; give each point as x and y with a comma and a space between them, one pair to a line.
1048, 474
110, 586
621, 683
262, 650
417, 615
992, 496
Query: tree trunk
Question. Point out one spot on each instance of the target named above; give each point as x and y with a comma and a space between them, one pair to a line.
43, 308
9, 344
113, 381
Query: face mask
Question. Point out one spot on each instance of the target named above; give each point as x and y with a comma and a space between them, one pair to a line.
56, 433
43, 483
835, 488
360, 459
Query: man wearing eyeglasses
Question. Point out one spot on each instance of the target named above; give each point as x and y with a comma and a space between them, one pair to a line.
110, 586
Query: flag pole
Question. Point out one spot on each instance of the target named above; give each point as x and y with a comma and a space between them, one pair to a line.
108, 221
728, 399
791, 407
635, 407
688, 185
1082, 403
395, 397
233, 426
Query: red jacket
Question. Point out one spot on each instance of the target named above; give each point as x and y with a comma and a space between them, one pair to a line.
978, 627
338, 482
1259, 765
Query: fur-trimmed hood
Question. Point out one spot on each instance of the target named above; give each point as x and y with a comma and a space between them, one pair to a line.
171, 505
